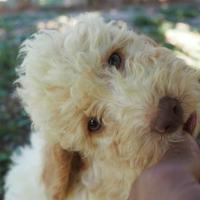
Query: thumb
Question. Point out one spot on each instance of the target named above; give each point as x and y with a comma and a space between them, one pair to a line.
184, 154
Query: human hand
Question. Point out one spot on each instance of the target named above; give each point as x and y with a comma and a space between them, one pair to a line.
175, 177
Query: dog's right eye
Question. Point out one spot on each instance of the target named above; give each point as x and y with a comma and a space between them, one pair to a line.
94, 124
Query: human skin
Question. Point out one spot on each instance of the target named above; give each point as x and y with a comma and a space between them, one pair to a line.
175, 177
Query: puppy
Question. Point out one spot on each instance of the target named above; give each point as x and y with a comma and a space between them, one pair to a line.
105, 103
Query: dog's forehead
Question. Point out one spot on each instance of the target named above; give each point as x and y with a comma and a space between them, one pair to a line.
97, 24
91, 35
93, 31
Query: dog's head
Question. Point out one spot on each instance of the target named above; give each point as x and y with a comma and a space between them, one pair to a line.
108, 93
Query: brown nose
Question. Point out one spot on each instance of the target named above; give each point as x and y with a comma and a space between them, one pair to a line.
169, 116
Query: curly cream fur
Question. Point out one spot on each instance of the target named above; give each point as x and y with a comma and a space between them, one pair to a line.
65, 79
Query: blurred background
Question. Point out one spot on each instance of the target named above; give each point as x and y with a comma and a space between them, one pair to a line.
174, 24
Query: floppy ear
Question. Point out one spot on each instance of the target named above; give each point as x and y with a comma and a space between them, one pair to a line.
60, 172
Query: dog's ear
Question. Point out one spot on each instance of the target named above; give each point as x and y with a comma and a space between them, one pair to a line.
60, 170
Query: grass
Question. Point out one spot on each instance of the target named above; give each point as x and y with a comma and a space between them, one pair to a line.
14, 123
164, 18
173, 13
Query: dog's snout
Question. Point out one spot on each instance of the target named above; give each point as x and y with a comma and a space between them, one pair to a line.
169, 116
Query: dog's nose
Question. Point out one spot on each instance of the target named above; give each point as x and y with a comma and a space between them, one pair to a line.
169, 116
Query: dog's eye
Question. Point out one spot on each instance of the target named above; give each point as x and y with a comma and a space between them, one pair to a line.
94, 124
115, 60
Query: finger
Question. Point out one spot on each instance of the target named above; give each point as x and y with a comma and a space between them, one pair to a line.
186, 148
185, 153
198, 142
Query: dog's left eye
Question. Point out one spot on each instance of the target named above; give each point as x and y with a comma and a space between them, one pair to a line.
115, 60
94, 124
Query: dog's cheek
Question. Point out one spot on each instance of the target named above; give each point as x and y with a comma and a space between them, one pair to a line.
76, 136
